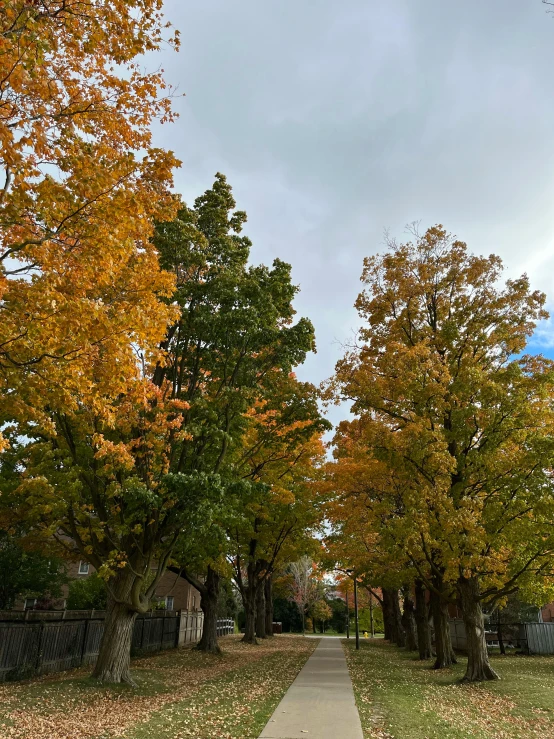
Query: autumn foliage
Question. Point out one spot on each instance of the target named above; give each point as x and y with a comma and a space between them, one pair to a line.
150, 412
449, 458
81, 187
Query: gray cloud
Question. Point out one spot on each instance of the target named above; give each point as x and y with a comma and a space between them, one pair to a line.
336, 121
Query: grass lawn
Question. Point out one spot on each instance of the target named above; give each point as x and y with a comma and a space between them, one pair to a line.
400, 697
180, 693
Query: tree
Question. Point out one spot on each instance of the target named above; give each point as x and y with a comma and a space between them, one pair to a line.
440, 380
201, 559
81, 186
26, 573
287, 613
371, 533
103, 490
280, 462
124, 487
229, 600
234, 341
80, 281
422, 621
305, 587
209, 587
409, 621
321, 611
365, 510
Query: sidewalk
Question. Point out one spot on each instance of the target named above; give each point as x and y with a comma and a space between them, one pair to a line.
320, 702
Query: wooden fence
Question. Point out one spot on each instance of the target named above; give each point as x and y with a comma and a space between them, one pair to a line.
190, 628
225, 626
34, 648
531, 638
38, 615
458, 634
539, 637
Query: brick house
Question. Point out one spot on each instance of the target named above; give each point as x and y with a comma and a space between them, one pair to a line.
173, 591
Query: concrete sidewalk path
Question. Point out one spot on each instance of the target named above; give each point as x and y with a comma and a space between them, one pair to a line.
320, 702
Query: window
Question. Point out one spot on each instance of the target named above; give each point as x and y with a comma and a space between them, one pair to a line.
169, 602
83, 568
194, 603
30, 603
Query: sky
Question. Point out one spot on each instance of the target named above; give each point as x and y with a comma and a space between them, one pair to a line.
338, 122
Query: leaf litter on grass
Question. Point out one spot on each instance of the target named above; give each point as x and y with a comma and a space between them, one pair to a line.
400, 697
69, 706
236, 705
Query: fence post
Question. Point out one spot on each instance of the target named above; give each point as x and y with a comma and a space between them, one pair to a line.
177, 628
163, 632
84, 645
40, 645
19, 647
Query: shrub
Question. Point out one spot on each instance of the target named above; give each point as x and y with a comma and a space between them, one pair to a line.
86, 594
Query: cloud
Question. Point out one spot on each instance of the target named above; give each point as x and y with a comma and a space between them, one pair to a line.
334, 122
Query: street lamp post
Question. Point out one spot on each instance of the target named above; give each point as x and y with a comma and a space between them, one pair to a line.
356, 612
347, 614
353, 575
371, 615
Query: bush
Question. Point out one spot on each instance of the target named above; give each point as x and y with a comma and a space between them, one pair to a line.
86, 594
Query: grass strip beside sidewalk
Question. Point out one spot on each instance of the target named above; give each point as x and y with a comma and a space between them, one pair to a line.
236, 705
180, 693
399, 697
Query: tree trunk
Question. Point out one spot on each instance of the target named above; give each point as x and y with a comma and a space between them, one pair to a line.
409, 623
249, 594
422, 622
388, 619
260, 610
371, 624
478, 665
269, 606
114, 658
443, 644
249, 602
208, 603
501, 644
399, 633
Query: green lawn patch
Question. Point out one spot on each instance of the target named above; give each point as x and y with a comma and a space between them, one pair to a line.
400, 697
